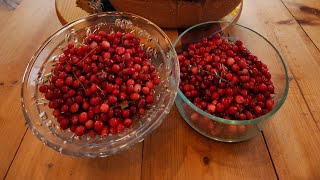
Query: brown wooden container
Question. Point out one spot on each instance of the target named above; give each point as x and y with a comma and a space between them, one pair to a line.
177, 13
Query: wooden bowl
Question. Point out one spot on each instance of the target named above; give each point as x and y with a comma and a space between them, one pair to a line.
177, 13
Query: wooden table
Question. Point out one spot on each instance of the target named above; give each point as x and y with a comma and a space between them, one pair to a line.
288, 148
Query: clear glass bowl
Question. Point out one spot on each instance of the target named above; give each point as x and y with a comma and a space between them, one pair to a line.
39, 116
233, 130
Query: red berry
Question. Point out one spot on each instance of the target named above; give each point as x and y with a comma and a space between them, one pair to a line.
112, 99
134, 96
85, 105
105, 45
89, 124
64, 108
104, 107
43, 88
74, 119
113, 122
145, 90
127, 122
59, 82
93, 88
80, 130
149, 99
115, 68
257, 109
120, 128
211, 108
137, 88
98, 125
263, 87
94, 101
239, 99
92, 133
68, 81
74, 108
129, 36
156, 81
125, 113
83, 117
232, 110
104, 131
149, 84
220, 107
269, 104
120, 50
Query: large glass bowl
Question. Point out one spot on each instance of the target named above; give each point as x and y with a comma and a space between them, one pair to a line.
233, 130
39, 117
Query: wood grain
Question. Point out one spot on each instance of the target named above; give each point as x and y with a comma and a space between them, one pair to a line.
34, 160
293, 136
67, 11
21, 34
307, 14
176, 151
41, 162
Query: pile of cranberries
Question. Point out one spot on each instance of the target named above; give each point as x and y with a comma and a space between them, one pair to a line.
224, 79
99, 86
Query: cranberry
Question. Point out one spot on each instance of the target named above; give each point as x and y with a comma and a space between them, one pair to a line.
89, 124
113, 122
104, 107
83, 117
269, 104
74, 119
64, 124
134, 96
98, 125
80, 130
74, 108
64, 108
112, 99
105, 131
226, 80
94, 101
43, 88
126, 113
105, 45
120, 128
93, 82
127, 122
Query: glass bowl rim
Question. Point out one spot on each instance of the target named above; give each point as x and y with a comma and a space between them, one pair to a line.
131, 141
227, 121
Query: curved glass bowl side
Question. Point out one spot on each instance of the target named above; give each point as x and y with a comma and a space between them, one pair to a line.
259, 46
39, 117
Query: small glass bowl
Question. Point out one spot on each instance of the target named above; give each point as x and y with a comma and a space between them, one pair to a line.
39, 117
221, 129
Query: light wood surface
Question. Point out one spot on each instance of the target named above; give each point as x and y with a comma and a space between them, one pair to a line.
288, 148
293, 135
176, 151
22, 32
307, 14
67, 11
45, 163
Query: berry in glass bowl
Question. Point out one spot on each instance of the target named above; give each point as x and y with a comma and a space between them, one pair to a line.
232, 80
100, 84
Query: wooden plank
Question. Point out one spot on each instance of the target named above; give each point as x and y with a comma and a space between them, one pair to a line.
22, 32
68, 11
36, 161
176, 151
293, 136
307, 14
